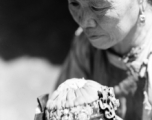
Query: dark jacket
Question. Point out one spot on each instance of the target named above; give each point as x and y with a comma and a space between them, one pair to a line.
85, 61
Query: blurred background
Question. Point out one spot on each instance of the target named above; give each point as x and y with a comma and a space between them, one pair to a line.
35, 37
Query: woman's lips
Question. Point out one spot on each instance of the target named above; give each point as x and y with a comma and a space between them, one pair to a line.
94, 37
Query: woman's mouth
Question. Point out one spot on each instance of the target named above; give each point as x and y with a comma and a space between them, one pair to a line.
99, 41
94, 37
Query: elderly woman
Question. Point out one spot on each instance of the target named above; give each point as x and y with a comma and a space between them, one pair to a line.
113, 46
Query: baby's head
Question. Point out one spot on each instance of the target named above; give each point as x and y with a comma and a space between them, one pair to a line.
79, 99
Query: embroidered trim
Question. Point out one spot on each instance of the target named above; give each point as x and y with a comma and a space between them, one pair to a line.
104, 107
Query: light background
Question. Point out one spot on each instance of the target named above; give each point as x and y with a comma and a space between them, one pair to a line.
35, 37
21, 82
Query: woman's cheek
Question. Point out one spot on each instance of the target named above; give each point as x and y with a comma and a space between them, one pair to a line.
111, 16
74, 14
109, 24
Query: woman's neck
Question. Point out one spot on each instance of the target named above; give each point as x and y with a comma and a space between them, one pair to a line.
137, 36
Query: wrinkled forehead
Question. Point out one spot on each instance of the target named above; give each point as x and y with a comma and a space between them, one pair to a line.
93, 1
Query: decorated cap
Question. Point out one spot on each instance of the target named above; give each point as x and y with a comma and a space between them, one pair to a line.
80, 99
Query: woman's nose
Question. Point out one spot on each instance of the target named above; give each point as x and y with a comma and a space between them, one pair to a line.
87, 21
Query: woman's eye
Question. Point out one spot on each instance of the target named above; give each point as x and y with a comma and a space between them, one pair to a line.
98, 9
75, 4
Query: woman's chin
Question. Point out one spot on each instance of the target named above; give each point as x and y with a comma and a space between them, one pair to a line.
101, 45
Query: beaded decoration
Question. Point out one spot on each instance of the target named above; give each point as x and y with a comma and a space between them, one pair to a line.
103, 108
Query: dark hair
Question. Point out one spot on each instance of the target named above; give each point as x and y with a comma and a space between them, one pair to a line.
150, 2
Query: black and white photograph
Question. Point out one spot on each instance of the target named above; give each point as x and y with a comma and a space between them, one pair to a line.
76, 60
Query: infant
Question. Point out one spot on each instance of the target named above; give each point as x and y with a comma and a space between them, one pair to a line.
80, 99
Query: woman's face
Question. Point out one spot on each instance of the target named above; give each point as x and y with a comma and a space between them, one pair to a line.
105, 22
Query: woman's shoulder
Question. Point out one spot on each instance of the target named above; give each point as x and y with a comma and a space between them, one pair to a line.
149, 69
